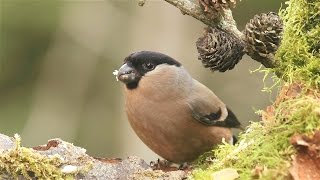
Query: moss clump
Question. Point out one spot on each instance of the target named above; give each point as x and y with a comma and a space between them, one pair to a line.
264, 150
267, 144
299, 54
21, 161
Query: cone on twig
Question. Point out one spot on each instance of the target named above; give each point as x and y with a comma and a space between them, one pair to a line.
263, 35
219, 50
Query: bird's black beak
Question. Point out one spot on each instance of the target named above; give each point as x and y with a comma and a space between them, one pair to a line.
128, 74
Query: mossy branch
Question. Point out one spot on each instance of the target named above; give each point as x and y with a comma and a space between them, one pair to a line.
270, 149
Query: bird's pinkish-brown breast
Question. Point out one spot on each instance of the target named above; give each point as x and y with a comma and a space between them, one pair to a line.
168, 128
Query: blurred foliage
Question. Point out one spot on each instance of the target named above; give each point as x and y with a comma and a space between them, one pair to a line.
26, 31
27, 28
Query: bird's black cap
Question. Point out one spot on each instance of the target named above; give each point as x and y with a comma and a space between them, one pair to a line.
138, 58
141, 63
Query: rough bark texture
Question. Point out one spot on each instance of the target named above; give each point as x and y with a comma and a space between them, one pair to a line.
222, 18
72, 162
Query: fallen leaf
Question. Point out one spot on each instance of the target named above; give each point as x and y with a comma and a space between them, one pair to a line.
306, 164
225, 174
258, 170
51, 143
268, 114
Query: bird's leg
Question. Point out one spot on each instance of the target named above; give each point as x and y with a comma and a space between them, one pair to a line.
164, 163
183, 166
152, 163
170, 165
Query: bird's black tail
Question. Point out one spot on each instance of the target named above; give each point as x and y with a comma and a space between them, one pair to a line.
235, 139
231, 120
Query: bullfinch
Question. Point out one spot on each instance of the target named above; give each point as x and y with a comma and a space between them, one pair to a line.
173, 114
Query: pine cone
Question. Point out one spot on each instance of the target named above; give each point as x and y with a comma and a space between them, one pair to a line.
219, 50
263, 35
217, 4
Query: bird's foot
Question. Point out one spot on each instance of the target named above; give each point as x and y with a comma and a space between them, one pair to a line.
165, 165
161, 165
184, 166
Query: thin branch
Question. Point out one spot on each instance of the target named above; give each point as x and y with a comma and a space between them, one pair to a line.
194, 10
222, 19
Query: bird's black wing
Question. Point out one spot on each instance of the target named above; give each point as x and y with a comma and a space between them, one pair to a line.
212, 119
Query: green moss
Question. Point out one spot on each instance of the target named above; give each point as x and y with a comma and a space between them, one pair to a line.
21, 161
299, 54
265, 145
264, 150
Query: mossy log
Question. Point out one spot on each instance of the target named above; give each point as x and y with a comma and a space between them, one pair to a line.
61, 160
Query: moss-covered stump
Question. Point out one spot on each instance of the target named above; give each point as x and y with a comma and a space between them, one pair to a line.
264, 150
286, 143
61, 160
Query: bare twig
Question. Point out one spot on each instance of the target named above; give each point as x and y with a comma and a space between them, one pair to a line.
223, 18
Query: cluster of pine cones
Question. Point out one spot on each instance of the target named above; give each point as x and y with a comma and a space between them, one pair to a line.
221, 51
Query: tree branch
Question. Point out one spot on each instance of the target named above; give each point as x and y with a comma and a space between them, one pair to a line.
223, 18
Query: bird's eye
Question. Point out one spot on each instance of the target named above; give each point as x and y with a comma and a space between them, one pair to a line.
148, 66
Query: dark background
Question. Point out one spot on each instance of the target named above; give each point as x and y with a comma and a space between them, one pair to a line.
57, 58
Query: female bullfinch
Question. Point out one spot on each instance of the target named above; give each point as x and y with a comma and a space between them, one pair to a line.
173, 114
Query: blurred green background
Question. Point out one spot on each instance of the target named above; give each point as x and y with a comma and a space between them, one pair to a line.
57, 58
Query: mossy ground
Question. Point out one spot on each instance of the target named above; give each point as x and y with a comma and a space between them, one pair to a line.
264, 150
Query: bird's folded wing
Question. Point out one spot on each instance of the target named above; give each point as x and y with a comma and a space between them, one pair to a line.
208, 109
213, 119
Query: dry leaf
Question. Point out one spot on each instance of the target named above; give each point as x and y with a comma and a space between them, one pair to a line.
306, 164
258, 170
225, 174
